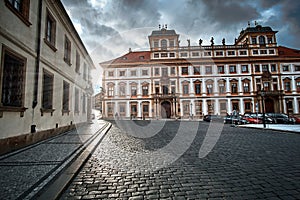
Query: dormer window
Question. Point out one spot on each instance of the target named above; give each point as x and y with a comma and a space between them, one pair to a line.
262, 40
163, 44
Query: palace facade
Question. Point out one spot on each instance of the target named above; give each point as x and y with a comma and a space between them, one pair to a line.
45, 82
173, 81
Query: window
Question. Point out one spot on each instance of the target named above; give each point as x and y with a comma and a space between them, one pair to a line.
145, 109
198, 88
111, 73
156, 71
164, 55
163, 44
258, 84
275, 84
297, 68
13, 79
246, 87
234, 87
253, 40
262, 40
164, 71
248, 106
110, 90
208, 70
219, 53
285, 68
50, 31
265, 68
83, 103
76, 100
133, 73
133, 90
156, 87
245, 69
155, 44
122, 109
263, 52
173, 69
231, 53
145, 90
243, 53
156, 55
67, 51
47, 95
256, 68
121, 73
273, 68
222, 87
196, 70
287, 85
172, 55
267, 86
20, 8
221, 69
207, 53
298, 85
195, 54
255, 52
172, 43
185, 89
271, 51
184, 70
270, 41
165, 89
122, 90
209, 88
84, 71
145, 72
173, 87
66, 96
77, 67
183, 54
142, 57
232, 69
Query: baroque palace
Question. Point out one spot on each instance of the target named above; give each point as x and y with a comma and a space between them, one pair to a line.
173, 81
45, 82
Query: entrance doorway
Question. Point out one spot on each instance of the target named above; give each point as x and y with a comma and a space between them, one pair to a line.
269, 105
166, 109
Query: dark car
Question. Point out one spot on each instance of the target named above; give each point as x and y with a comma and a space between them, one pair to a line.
209, 118
280, 118
231, 119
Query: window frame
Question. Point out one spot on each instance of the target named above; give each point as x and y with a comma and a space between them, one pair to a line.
67, 50
47, 93
50, 40
66, 97
23, 13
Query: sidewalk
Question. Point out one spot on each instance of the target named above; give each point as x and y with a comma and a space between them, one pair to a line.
26, 172
278, 127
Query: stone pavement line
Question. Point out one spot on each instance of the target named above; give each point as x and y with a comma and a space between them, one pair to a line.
51, 187
26, 171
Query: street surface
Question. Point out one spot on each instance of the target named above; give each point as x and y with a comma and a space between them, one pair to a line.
244, 164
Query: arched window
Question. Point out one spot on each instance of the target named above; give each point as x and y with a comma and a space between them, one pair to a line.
262, 40
163, 44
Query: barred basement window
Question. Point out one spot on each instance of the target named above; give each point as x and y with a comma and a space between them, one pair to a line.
47, 95
13, 79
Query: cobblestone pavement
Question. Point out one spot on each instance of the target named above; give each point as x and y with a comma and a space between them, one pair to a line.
244, 164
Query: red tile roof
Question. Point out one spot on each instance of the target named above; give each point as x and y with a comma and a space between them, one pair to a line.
288, 52
131, 57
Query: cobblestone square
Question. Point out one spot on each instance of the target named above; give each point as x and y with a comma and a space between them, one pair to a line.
244, 164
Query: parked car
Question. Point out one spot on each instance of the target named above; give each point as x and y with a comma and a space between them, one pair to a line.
268, 119
280, 118
209, 118
253, 120
297, 119
231, 119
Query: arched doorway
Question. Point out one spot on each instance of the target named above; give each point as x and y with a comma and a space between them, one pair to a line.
269, 104
166, 109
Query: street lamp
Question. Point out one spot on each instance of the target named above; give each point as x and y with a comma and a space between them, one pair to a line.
156, 101
263, 93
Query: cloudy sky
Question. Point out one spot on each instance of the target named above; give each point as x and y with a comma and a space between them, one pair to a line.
110, 27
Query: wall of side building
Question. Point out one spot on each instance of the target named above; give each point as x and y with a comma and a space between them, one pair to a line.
50, 80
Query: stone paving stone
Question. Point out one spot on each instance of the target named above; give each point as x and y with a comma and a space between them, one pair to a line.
244, 164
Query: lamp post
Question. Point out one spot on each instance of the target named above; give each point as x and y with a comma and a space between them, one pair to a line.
175, 107
263, 106
156, 101
191, 111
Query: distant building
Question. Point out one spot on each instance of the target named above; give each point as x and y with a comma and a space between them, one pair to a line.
171, 81
45, 82
98, 98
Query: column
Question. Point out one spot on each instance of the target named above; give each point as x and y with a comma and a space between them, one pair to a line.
203, 87
295, 105
293, 85
116, 89
216, 93
240, 89
228, 86
217, 107
192, 88
139, 115
229, 106
204, 106
242, 108
128, 110
181, 109
128, 87
192, 107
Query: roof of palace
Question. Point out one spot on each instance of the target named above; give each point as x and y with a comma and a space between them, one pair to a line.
130, 57
288, 52
163, 32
